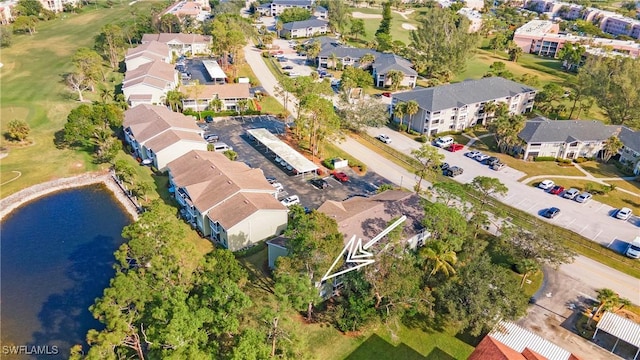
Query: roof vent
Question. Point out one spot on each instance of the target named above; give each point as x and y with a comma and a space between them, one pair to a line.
229, 182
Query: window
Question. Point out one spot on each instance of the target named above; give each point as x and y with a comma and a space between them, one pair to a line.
536, 144
452, 126
436, 113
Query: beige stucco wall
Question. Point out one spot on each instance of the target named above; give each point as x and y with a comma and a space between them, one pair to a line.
176, 150
157, 95
259, 226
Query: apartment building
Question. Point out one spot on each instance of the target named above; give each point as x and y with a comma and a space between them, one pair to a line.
228, 202
542, 37
149, 83
454, 107
229, 94
303, 29
608, 21
182, 44
146, 53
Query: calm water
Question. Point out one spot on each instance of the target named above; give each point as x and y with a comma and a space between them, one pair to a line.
56, 258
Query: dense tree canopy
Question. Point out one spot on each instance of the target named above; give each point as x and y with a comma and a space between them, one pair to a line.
442, 44
294, 14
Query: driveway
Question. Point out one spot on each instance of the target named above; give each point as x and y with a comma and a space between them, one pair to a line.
592, 220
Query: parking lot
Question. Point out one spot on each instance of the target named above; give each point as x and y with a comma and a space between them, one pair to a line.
232, 132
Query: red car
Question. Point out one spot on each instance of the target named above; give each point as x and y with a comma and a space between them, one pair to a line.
386, 94
556, 190
341, 176
455, 147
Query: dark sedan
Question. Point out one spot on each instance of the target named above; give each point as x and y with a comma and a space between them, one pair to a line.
550, 213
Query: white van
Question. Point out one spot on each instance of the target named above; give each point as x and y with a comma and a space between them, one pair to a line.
221, 147
633, 251
444, 141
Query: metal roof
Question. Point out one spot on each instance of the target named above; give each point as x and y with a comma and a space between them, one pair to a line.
623, 329
300, 163
214, 69
519, 339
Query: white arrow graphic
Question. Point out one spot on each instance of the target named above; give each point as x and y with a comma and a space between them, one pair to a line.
358, 254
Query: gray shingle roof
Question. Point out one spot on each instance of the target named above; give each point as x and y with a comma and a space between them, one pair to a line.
293, 2
345, 51
543, 130
387, 62
630, 139
311, 23
321, 9
463, 93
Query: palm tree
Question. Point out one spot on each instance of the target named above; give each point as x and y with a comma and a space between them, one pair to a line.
439, 259
216, 104
514, 51
412, 108
396, 78
334, 60
366, 60
279, 26
490, 109
243, 105
105, 94
611, 147
174, 100
399, 111
608, 299
526, 267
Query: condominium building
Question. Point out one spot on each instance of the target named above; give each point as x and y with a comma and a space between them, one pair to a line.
454, 107
609, 22
542, 37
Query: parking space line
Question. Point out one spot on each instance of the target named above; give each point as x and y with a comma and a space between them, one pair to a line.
598, 234
612, 240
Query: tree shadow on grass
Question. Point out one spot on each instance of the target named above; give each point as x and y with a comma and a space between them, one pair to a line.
376, 347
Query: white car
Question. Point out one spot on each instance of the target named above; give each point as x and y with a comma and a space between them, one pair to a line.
384, 138
278, 186
571, 193
290, 200
444, 141
481, 157
546, 185
583, 198
633, 251
472, 154
623, 214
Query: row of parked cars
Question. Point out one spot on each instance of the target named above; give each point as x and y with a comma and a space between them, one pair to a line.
289, 200
581, 197
493, 162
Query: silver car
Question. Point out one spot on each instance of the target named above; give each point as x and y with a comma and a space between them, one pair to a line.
571, 193
583, 198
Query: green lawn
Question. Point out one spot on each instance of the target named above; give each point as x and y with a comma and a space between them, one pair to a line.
601, 170
32, 90
397, 32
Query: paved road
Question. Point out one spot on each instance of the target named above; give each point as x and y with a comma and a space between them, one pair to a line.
592, 220
607, 277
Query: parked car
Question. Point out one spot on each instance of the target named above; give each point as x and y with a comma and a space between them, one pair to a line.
453, 171
497, 166
633, 251
386, 94
571, 193
455, 147
550, 213
481, 158
444, 142
623, 214
288, 67
271, 179
208, 119
490, 161
293, 74
384, 138
319, 183
278, 160
556, 190
211, 137
222, 147
546, 184
444, 166
472, 154
278, 186
583, 198
342, 177
290, 200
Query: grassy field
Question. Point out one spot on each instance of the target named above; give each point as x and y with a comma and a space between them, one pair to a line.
33, 90
397, 31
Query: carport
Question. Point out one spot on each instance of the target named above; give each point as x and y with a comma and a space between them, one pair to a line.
620, 328
215, 71
300, 164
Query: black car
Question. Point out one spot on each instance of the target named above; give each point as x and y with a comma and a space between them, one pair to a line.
444, 166
271, 179
453, 171
288, 67
550, 213
319, 183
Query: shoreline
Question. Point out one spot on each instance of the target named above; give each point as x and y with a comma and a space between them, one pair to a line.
22, 197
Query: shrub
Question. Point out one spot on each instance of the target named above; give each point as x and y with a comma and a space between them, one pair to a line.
413, 132
402, 127
544, 158
565, 161
580, 160
445, 133
328, 164
421, 139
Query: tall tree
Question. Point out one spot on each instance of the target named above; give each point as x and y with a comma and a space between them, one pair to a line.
25, 24
338, 15
608, 299
412, 109
357, 115
438, 258
399, 111
78, 83
506, 129
551, 94
396, 77
446, 225
613, 82
428, 159
538, 244
294, 14
442, 43
357, 28
571, 55
169, 23
611, 147
89, 64
110, 42
385, 24
515, 51
480, 295
174, 100
29, 8
487, 187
